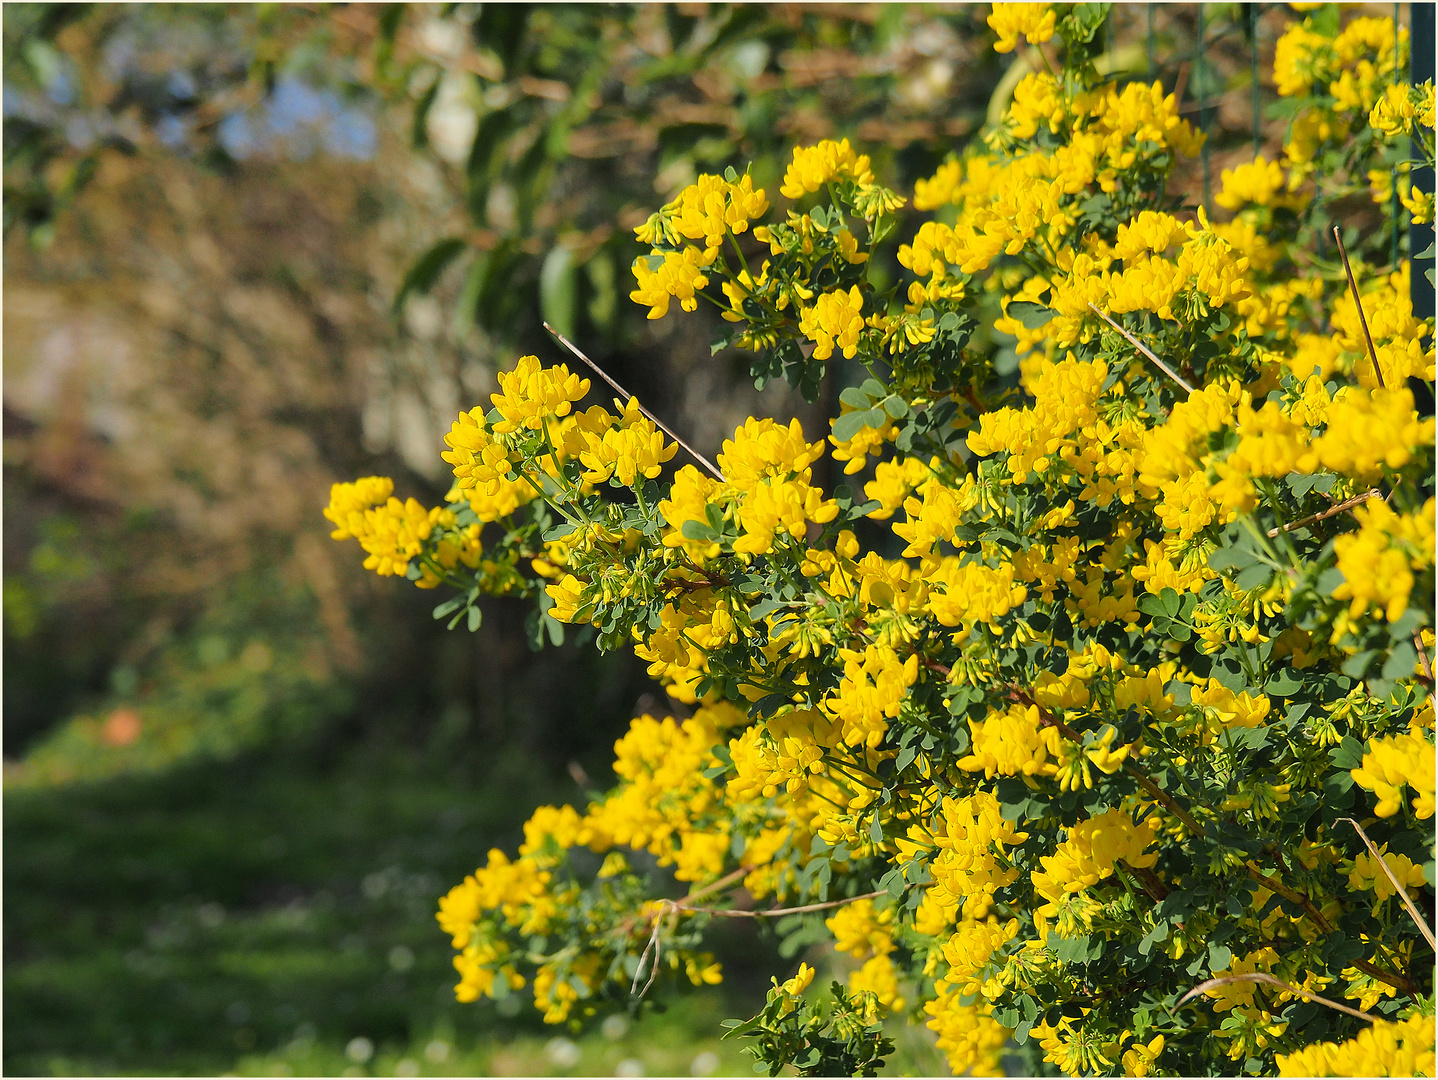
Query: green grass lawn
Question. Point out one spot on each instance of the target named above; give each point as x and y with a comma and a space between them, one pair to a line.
275, 915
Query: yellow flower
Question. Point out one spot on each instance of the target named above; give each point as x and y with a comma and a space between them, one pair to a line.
861, 931
815, 166
1089, 855
969, 1036
348, 502
800, 982
1387, 1048
879, 978
1368, 876
530, 394
1141, 1058
1378, 561
836, 318
1009, 21
1259, 183
763, 448
1390, 763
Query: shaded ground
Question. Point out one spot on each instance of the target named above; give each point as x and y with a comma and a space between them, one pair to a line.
262, 915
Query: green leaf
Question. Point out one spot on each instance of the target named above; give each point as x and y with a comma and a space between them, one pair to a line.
850, 424
476, 616
874, 389
1079, 950
449, 605
1158, 934
559, 290
1348, 754
425, 270
1401, 661
1232, 556
895, 406
1284, 683
553, 626
697, 530
1356, 665
1031, 315
418, 128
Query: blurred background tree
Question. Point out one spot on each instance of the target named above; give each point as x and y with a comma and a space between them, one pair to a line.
252, 250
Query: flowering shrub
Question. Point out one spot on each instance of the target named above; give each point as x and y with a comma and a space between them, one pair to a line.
1092, 688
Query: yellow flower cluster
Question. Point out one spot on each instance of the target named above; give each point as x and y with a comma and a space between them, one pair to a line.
1391, 763
666, 274
1259, 183
1401, 108
1108, 621
836, 319
625, 447
1090, 854
1388, 1048
815, 166
968, 1035
531, 394
1009, 21
1379, 560
393, 532
1368, 876
1355, 67
348, 502
660, 798
969, 839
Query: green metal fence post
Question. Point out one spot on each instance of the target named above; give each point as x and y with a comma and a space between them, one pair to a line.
1200, 89
1150, 42
1253, 76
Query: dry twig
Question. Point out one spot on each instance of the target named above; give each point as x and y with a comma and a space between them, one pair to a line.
1407, 901
1358, 303
695, 454
1336, 508
1269, 980
1143, 349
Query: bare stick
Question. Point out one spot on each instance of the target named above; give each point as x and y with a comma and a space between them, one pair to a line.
1358, 303
1336, 508
695, 454
1423, 656
1408, 903
736, 913
714, 886
652, 947
1269, 980
1141, 348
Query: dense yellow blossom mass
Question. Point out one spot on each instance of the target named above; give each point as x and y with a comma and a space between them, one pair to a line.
1068, 697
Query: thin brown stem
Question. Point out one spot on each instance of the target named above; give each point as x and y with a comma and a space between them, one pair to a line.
1358, 303
1336, 508
1407, 901
715, 886
695, 454
1143, 349
1423, 657
1269, 980
1272, 884
1148, 880
769, 913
